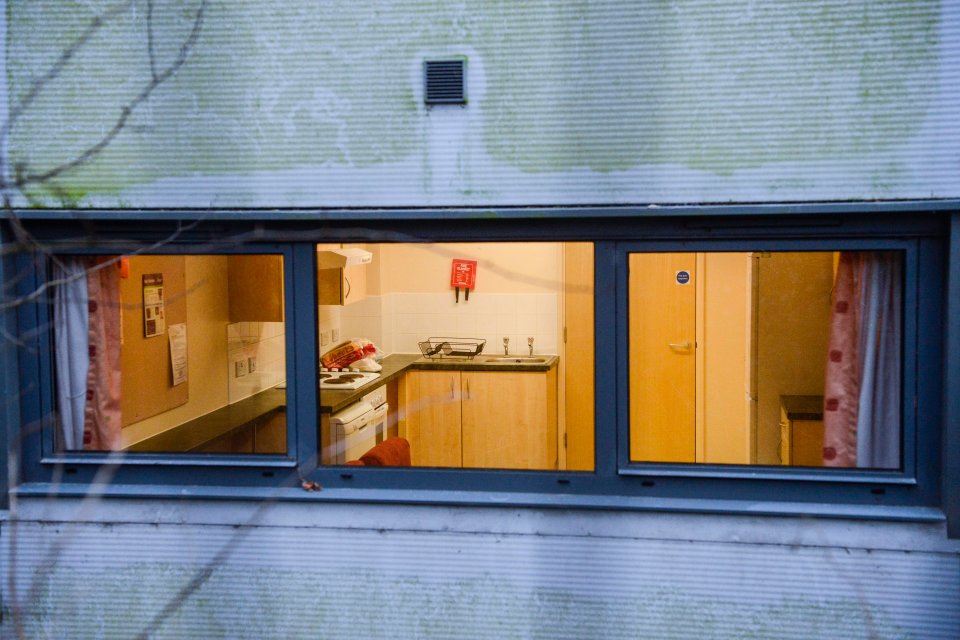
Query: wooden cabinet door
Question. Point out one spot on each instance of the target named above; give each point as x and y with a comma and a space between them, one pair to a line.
509, 420
432, 416
255, 287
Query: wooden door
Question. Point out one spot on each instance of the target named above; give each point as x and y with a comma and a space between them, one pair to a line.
662, 317
432, 418
578, 361
507, 420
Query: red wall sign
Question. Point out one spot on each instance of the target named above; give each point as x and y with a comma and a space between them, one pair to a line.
464, 273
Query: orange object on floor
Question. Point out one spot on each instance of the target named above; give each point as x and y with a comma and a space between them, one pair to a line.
393, 452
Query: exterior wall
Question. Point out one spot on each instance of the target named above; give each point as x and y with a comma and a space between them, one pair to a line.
378, 571
600, 103
300, 104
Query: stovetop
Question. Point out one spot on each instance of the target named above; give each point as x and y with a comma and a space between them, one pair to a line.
345, 379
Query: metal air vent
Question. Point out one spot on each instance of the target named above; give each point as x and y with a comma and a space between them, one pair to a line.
443, 82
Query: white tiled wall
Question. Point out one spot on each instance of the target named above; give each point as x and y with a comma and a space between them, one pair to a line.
396, 322
266, 342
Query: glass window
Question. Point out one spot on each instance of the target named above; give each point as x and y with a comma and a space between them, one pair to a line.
453, 355
170, 353
766, 358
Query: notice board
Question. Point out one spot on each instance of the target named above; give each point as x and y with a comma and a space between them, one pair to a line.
146, 375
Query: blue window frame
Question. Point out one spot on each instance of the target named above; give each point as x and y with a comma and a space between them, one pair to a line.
919, 490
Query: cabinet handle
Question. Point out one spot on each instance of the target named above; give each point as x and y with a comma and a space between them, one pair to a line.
349, 288
452, 396
679, 345
466, 387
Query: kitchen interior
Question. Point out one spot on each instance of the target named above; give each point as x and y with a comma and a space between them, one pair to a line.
498, 374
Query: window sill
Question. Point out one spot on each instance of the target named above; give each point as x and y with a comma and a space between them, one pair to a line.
419, 497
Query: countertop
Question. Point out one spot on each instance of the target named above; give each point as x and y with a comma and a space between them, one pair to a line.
802, 407
199, 431
332, 400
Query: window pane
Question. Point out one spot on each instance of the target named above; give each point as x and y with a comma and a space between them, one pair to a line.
789, 358
459, 354
170, 353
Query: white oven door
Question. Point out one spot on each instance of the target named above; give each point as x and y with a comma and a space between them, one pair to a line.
358, 434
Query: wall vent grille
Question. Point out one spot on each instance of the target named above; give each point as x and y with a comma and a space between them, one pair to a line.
443, 82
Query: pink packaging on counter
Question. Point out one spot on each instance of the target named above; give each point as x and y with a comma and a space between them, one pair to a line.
342, 355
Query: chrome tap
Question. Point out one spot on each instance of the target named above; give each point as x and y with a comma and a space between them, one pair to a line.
506, 346
530, 344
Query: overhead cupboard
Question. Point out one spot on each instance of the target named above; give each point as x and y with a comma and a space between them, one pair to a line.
692, 339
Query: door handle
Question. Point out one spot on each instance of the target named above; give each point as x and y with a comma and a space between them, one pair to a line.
679, 345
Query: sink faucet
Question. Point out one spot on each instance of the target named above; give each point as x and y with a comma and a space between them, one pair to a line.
530, 344
506, 346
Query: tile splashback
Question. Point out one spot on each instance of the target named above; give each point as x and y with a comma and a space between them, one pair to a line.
264, 341
396, 322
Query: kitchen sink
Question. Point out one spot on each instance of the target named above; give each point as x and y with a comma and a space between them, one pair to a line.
515, 359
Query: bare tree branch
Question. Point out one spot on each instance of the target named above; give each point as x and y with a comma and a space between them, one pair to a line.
151, 53
125, 112
53, 72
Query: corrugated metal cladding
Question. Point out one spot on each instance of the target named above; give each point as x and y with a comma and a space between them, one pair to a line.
320, 104
86, 581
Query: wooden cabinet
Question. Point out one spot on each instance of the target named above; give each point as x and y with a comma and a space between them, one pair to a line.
267, 434
481, 419
432, 414
801, 431
341, 285
341, 280
255, 288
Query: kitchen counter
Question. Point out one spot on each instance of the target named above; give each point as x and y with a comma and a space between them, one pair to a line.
333, 400
480, 363
198, 432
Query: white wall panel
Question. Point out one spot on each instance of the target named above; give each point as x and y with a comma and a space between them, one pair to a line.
541, 575
608, 102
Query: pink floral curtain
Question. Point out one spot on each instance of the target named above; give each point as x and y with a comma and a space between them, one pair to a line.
862, 396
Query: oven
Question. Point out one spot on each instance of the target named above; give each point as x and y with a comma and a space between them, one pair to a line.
356, 429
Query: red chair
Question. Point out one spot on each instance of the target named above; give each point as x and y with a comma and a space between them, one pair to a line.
392, 452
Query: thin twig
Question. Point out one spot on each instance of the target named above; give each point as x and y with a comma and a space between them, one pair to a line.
53, 72
125, 112
150, 46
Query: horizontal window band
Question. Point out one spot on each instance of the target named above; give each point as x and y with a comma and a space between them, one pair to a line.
398, 214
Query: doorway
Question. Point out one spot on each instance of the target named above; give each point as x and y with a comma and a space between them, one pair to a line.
692, 352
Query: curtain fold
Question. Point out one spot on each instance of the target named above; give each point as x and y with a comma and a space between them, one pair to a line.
862, 393
86, 316
102, 412
70, 319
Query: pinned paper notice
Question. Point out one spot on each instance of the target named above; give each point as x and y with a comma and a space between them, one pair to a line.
178, 352
153, 316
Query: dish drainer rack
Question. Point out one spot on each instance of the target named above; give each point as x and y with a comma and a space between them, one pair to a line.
450, 348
